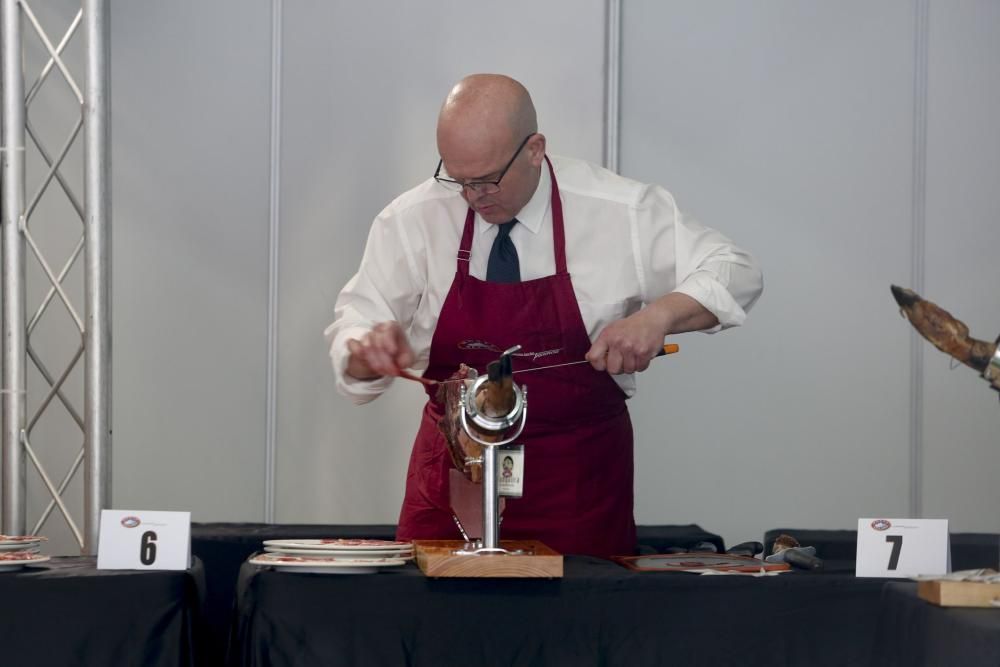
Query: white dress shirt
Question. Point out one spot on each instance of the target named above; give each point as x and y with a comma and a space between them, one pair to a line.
627, 244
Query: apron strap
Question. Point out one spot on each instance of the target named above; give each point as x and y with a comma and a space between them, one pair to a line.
558, 232
465, 247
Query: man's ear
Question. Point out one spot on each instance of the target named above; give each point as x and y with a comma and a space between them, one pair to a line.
536, 149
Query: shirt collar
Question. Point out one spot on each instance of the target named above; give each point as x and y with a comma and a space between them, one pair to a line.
533, 213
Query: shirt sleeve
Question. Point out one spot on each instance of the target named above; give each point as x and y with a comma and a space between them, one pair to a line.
678, 254
386, 287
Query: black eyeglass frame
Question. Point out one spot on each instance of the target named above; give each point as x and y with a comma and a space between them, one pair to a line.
480, 186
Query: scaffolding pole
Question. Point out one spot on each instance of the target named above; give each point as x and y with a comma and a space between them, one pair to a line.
97, 271
14, 333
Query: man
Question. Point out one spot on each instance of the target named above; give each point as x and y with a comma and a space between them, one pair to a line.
508, 246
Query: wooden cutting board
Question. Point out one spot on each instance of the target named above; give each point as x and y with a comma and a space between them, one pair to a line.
437, 558
959, 593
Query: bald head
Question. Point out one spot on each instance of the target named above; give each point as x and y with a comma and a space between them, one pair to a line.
487, 133
485, 113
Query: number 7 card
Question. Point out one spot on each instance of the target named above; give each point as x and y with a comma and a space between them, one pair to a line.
902, 547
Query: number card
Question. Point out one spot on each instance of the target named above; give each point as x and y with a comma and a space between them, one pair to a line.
902, 547
138, 540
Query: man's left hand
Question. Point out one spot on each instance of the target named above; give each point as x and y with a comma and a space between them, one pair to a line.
628, 345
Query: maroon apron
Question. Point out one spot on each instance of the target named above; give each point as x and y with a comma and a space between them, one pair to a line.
578, 437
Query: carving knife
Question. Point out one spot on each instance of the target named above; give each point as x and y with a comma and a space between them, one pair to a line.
669, 348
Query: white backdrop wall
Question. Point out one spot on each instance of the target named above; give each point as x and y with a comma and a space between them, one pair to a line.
360, 96
789, 125
797, 128
960, 422
190, 160
794, 127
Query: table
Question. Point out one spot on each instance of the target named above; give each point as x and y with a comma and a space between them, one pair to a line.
223, 547
599, 613
914, 632
66, 612
968, 550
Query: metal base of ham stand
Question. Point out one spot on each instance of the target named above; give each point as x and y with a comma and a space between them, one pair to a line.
490, 542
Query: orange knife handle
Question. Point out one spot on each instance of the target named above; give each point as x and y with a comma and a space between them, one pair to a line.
669, 348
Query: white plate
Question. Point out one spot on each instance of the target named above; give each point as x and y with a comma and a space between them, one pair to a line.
324, 565
18, 563
346, 554
20, 546
342, 544
10, 540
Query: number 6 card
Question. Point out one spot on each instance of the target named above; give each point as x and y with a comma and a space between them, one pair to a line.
139, 540
902, 547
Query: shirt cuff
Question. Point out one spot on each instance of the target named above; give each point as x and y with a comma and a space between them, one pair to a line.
704, 288
357, 391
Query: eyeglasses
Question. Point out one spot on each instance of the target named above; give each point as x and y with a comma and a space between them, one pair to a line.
481, 187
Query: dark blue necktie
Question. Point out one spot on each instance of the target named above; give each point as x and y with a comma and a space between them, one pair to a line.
503, 266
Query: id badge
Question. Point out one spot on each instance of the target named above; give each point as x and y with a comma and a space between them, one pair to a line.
510, 470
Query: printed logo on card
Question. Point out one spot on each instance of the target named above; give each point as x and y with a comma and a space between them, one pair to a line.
881, 524
130, 521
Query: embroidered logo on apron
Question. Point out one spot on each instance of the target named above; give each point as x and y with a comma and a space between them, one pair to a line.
483, 345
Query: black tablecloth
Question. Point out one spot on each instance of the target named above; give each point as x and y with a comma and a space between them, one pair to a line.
223, 547
598, 614
968, 550
66, 612
913, 632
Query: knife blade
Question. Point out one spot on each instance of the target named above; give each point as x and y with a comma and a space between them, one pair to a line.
669, 348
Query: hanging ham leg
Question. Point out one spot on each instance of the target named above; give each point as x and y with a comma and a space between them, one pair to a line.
948, 334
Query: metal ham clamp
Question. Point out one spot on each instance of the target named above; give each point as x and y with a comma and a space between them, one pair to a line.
788, 550
493, 413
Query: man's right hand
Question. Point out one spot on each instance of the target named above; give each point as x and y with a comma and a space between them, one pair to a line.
382, 351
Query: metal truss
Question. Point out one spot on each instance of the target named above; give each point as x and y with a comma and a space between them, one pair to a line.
91, 330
